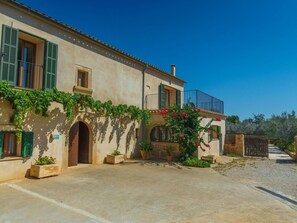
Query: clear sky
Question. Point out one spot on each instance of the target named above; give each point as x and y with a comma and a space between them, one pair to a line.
241, 51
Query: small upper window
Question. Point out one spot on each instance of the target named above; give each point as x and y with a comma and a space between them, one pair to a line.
82, 78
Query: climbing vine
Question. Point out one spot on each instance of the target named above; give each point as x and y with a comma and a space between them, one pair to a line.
38, 102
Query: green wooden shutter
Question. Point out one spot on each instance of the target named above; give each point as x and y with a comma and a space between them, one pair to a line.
178, 98
219, 131
50, 71
211, 134
9, 55
27, 144
162, 96
1, 144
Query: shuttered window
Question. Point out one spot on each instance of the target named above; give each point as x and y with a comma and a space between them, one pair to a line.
1, 144
9, 60
27, 144
162, 96
9, 53
178, 98
50, 66
8, 145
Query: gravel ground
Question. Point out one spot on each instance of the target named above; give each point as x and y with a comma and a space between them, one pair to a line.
279, 176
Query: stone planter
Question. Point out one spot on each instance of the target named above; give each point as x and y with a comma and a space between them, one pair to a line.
115, 159
41, 171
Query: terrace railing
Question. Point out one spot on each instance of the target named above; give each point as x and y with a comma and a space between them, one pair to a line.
195, 98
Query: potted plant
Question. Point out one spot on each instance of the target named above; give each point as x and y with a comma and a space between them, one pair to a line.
115, 157
45, 166
145, 148
169, 150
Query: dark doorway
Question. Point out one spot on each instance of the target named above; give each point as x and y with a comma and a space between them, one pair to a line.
78, 144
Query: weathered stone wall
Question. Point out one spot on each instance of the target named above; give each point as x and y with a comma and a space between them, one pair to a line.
237, 148
159, 150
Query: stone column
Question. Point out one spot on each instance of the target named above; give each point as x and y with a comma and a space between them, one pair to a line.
239, 147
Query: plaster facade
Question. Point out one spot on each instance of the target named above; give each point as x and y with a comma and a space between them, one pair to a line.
112, 76
216, 145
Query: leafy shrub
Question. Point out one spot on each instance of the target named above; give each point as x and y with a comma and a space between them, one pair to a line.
231, 155
146, 146
169, 150
188, 128
45, 160
291, 148
195, 162
116, 152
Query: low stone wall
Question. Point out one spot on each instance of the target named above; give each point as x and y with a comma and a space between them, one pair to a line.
159, 150
237, 148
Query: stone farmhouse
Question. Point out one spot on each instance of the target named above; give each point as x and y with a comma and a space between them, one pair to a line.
39, 52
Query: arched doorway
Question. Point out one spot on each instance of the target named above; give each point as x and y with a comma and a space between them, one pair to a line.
79, 149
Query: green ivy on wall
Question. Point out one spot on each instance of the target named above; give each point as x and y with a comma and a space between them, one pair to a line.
38, 102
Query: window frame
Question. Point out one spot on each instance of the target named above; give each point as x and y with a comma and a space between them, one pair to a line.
85, 79
23, 150
83, 90
16, 152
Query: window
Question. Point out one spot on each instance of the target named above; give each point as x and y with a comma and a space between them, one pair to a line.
26, 65
10, 148
168, 96
215, 133
27, 61
9, 144
161, 134
82, 78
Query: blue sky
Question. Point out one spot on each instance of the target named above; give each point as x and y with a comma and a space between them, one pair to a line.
241, 51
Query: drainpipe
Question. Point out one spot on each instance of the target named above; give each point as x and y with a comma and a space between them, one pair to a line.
143, 101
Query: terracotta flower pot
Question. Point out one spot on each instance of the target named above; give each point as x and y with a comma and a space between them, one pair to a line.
169, 158
144, 154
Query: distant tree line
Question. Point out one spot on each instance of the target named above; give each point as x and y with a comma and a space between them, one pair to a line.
280, 129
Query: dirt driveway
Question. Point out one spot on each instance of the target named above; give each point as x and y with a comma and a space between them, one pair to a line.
277, 176
138, 193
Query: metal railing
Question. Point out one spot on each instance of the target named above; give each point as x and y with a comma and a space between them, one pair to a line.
199, 99
194, 98
29, 75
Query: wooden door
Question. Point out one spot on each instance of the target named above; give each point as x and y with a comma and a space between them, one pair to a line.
73, 145
83, 143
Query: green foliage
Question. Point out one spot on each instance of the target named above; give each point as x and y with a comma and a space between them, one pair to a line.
280, 129
233, 119
169, 150
45, 160
187, 129
116, 152
292, 148
231, 155
195, 162
146, 146
38, 102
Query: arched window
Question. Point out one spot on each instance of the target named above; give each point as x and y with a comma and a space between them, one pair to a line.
161, 134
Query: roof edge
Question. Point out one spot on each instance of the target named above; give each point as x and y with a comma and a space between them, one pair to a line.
28, 9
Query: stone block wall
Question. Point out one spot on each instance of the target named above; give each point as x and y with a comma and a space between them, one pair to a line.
237, 148
159, 150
